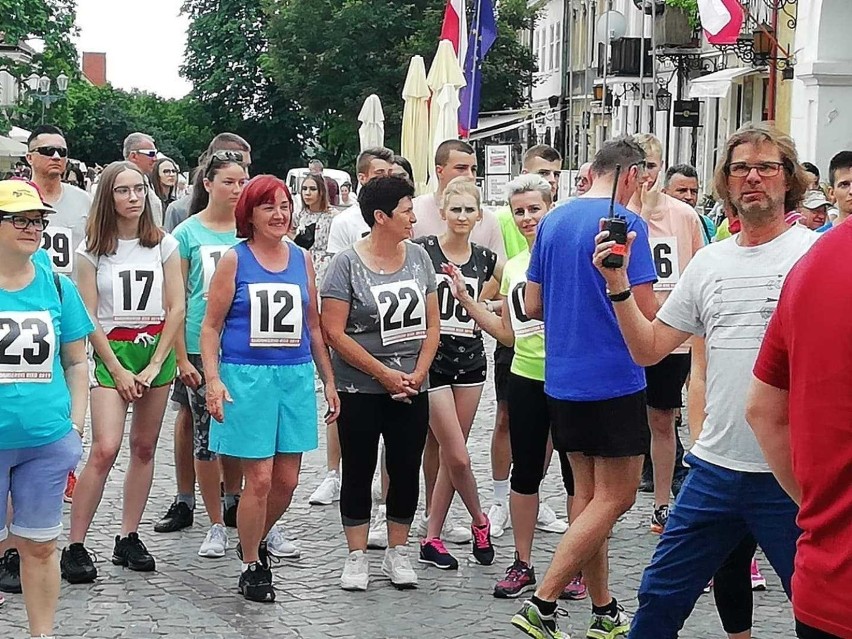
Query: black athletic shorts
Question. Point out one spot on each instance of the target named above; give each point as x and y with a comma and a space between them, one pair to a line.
666, 380
503, 356
468, 378
616, 427
179, 393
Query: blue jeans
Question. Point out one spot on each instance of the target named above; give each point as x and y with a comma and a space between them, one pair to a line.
716, 508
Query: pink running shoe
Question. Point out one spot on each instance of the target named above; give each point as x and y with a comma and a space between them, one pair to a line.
483, 550
70, 485
575, 590
758, 581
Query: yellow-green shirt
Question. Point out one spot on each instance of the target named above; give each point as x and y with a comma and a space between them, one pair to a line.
529, 333
513, 240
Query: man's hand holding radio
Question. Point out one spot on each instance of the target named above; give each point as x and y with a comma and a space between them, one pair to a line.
615, 277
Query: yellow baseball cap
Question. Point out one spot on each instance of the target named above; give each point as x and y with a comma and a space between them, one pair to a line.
19, 196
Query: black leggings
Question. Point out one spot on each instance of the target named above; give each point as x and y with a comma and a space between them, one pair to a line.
806, 632
732, 588
529, 426
364, 417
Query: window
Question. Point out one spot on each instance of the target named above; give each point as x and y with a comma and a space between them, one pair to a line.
558, 55
535, 49
550, 48
542, 49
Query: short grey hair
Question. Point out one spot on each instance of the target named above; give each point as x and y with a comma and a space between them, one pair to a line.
529, 183
132, 141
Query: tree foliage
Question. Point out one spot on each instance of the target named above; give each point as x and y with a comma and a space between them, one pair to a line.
51, 22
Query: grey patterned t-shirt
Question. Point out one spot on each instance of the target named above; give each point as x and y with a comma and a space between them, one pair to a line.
387, 313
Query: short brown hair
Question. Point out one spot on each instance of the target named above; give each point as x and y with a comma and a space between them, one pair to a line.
442, 153
362, 164
760, 133
543, 151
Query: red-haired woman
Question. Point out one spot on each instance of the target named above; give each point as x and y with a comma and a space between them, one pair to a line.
261, 334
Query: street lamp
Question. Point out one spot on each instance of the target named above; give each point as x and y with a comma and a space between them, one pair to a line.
39, 88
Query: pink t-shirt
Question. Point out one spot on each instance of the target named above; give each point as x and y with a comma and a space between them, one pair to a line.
486, 232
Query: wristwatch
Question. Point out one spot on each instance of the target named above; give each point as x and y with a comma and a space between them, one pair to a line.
619, 297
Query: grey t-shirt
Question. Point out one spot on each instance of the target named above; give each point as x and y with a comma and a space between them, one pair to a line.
67, 227
387, 313
727, 294
177, 211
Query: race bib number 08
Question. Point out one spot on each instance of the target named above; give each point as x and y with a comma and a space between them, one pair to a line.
137, 293
522, 324
666, 262
455, 320
27, 347
56, 240
402, 311
276, 315
210, 256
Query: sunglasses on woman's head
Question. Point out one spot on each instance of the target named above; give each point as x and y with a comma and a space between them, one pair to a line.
228, 156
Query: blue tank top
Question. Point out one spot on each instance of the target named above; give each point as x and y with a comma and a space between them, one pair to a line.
267, 324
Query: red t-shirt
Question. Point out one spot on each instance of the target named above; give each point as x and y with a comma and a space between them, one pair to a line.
808, 351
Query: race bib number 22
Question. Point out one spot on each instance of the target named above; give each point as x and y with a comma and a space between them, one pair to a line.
402, 311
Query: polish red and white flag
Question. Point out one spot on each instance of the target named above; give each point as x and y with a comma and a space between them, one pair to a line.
454, 27
722, 20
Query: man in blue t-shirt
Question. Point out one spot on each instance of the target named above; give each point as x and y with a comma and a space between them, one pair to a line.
597, 392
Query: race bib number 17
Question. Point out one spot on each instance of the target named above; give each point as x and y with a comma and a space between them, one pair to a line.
402, 311
27, 347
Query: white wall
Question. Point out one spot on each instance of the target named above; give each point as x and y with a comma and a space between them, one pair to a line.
547, 47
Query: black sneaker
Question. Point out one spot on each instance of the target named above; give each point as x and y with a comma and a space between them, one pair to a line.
256, 583
434, 553
10, 572
230, 514
178, 517
483, 549
131, 552
262, 554
659, 519
76, 565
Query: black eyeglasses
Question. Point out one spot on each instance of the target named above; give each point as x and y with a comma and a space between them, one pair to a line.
228, 156
50, 151
764, 169
21, 222
169, 171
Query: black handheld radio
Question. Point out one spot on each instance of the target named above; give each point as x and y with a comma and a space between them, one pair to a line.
617, 227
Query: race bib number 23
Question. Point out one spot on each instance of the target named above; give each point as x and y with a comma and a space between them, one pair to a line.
27, 347
402, 311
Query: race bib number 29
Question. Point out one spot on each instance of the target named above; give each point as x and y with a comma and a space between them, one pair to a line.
276, 315
27, 347
57, 242
402, 311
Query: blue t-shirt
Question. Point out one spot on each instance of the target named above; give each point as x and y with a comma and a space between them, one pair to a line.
35, 404
825, 227
586, 358
42, 258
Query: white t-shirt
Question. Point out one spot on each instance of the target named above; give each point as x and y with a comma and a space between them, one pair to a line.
727, 294
131, 283
347, 227
67, 227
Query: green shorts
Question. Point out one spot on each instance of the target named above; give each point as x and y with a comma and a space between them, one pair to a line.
135, 357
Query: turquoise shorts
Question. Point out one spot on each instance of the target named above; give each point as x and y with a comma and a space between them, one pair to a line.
274, 410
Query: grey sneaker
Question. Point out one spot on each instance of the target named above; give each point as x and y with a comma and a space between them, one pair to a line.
397, 567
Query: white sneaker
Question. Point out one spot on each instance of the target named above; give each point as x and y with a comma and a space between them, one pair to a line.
377, 538
455, 534
397, 567
279, 546
498, 515
215, 543
376, 489
328, 491
356, 571
547, 520
420, 526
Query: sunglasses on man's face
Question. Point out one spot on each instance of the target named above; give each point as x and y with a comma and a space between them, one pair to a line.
50, 151
148, 153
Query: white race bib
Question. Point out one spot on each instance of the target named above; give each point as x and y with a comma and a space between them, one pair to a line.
454, 318
137, 293
276, 315
522, 324
666, 262
210, 256
56, 240
402, 311
27, 347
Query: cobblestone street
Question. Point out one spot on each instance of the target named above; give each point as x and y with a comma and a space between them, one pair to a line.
193, 597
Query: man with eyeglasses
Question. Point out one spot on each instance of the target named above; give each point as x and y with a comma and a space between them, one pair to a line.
726, 296
48, 156
140, 149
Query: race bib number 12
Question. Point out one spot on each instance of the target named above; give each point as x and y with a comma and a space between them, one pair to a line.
402, 311
276, 315
666, 262
56, 240
27, 347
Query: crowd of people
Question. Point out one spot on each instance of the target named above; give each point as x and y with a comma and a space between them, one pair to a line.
240, 301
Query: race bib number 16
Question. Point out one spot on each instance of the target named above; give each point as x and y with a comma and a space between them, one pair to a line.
666, 261
27, 347
402, 311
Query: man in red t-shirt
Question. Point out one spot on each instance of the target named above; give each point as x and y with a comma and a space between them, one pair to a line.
800, 408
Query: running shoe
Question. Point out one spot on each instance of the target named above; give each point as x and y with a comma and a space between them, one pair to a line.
229, 514
500, 520
10, 572
70, 484
659, 519
263, 555
575, 590
280, 546
2, 600
397, 567
178, 517
132, 553
455, 534
377, 537
256, 583
537, 625
215, 543
483, 549
520, 578
708, 588
548, 521
434, 553
356, 571
76, 565
421, 526
328, 491
758, 581
606, 627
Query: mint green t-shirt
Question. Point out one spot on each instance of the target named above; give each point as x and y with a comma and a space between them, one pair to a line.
203, 249
513, 240
529, 333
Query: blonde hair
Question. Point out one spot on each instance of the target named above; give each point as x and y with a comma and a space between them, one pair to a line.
461, 186
650, 143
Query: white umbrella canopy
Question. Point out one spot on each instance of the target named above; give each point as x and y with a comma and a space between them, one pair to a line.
445, 79
372, 118
415, 122
10, 148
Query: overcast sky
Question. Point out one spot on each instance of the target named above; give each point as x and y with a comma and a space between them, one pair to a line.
144, 41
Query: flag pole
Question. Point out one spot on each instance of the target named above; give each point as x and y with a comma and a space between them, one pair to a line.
475, 64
